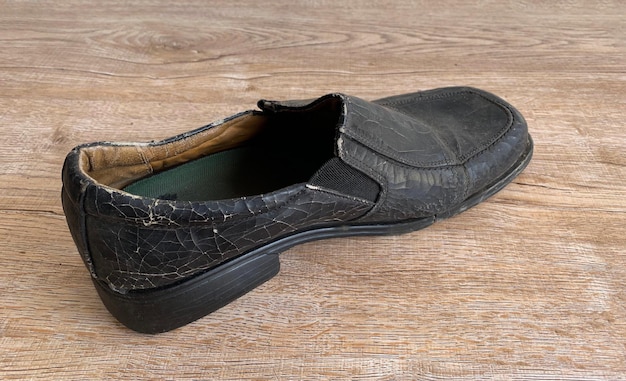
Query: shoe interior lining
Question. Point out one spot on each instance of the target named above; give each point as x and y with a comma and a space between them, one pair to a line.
241, 171
252, 154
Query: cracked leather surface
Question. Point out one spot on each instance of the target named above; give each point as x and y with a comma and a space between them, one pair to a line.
169, 245
429, 151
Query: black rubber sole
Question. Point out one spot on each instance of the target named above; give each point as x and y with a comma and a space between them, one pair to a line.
161, 310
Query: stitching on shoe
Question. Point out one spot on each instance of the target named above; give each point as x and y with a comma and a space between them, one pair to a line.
478, 150
384, 182
384, 149
435, 136
404, 165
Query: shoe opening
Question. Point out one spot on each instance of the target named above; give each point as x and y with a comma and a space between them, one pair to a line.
255, 153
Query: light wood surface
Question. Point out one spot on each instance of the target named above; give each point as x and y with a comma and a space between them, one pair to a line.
530, 284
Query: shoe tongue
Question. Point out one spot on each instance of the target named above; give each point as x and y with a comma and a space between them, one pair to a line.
294, 105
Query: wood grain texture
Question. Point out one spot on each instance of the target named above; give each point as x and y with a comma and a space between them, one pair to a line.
529, 285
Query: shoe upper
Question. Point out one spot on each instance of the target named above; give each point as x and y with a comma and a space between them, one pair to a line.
395, 159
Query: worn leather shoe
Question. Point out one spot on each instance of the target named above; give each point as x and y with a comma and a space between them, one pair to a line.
173, 230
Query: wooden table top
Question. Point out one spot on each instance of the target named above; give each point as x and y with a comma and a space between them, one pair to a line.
530, 284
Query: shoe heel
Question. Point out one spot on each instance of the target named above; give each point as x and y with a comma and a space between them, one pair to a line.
161, 310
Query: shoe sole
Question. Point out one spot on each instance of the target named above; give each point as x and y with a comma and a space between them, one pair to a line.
161, 310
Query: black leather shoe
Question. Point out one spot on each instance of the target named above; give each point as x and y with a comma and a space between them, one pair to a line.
173, 230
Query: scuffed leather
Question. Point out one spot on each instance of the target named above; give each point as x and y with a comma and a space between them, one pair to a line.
429, 151
138, 243
170, 244
483, 133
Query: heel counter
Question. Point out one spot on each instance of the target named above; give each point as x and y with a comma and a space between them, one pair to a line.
72, 200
